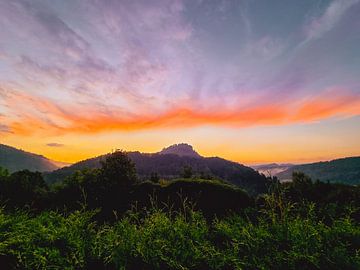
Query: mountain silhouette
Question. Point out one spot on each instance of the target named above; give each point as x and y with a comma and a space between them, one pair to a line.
170, 162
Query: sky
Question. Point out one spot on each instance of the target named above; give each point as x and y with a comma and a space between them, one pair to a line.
249, 80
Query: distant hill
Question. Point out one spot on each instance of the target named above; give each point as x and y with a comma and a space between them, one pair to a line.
169, 164
15, 159
344, 170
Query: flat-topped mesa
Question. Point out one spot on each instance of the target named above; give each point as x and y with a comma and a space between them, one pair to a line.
181, 149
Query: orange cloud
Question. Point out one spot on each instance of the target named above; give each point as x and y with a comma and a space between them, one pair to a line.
330, 103
39, 115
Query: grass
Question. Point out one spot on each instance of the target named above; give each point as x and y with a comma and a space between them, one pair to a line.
166, 239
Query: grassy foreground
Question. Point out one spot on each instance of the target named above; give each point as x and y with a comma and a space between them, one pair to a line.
275, 237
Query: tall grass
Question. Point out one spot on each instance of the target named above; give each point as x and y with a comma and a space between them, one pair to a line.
278, 238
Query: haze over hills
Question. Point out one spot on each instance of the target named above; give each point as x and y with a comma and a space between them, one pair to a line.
14, 159
272, 169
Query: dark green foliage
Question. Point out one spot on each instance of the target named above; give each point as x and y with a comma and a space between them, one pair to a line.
23, 188
183, 239
210, 197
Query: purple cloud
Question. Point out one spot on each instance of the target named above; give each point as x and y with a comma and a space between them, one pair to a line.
5, 129
55, 144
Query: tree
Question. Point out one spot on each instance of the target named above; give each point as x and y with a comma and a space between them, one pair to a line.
118, 169
28, 181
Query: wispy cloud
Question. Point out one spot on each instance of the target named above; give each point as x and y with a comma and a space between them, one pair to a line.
334, 12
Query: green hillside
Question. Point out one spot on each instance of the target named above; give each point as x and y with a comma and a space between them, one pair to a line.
344, 170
